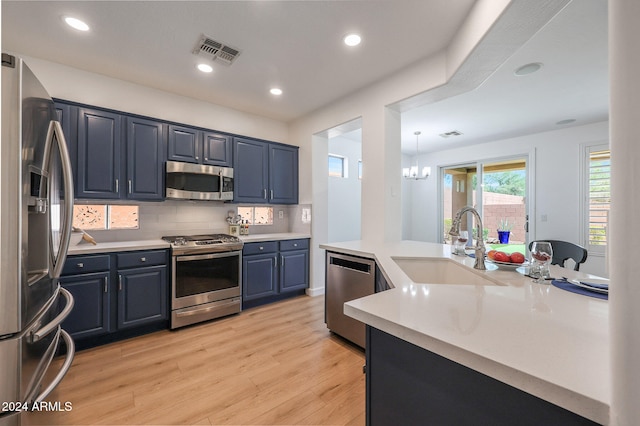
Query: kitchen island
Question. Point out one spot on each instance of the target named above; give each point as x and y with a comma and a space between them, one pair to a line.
535, 338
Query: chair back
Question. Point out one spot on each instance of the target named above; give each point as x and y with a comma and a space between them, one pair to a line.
563, 250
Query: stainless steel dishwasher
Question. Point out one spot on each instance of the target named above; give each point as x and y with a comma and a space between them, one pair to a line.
347, 278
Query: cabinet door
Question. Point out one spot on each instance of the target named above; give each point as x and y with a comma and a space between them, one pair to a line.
259, 276
294, 270
90, 313
142, 296
250, 163
185, 144
99, 154
144, 159
283, 174
216, 149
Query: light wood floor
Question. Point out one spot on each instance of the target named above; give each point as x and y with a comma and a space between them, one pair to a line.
273, 365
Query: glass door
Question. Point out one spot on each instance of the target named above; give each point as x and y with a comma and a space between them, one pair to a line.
501, 200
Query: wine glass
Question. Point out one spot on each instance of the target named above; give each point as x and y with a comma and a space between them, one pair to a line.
542, 254
461, 242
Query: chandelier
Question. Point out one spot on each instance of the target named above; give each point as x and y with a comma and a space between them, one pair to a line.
414, 172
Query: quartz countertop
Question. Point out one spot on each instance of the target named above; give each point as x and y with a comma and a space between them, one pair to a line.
88, 248
253, 238
536, 337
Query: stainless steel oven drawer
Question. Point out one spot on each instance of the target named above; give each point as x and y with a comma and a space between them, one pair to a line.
142, 258
204, 312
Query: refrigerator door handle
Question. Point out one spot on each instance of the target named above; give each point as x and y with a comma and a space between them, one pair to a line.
42, 332
71, 351
55, 129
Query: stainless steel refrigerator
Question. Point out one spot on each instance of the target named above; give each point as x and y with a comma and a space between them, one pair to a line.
36, 207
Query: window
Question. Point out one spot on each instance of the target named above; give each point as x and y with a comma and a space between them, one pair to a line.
598, 197
256, 215
337, 166
104, 216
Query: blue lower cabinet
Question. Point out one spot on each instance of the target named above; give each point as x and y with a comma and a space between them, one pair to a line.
91, 310
142, 296
116, 295
274, 270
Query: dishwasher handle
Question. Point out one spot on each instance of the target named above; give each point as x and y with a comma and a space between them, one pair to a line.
353, 264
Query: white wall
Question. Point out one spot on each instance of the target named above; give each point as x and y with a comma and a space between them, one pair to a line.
555, 165
72, 84
344, 194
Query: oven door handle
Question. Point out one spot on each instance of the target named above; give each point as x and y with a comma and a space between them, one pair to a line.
204, 310
190, 257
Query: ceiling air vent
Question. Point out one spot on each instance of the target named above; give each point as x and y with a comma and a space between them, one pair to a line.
215, 50
450, 134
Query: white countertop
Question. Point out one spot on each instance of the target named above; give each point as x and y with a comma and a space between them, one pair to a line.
88, 248
273, 237
546, 341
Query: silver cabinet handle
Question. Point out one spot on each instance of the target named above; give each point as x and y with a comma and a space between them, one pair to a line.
80, 265
275, 261
271, 195
130, 186
282, 261
105, 284
261, 248
265, 194
117, 186
120, 282
295, 244
143, 259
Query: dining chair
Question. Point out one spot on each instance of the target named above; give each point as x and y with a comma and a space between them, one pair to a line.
563, 250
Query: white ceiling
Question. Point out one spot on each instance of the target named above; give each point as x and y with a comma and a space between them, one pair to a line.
297, 46
572, 84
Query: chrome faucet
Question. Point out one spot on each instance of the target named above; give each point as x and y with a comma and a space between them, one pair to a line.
480, 248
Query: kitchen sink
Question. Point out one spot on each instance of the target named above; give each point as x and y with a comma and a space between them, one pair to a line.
440, 271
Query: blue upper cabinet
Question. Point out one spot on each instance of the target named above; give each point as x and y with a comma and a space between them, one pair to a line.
250, 171
98, 154
216, 149
184, 144
145, 157
283, 174
191, 145
265, 172
115, 156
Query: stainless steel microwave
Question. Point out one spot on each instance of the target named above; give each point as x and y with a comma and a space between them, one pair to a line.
188, 181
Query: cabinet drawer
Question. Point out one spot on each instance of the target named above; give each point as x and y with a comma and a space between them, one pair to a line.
261, 247
86, 264
300, 244
141, 258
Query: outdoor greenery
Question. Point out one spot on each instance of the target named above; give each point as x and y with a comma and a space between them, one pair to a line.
511, 182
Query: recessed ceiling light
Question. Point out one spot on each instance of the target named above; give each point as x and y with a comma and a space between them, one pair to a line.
276, 91
205, 67
567, 121
76, 23
528, 68
352, 40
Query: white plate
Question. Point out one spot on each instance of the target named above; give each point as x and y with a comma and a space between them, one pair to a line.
508, 265
591, 288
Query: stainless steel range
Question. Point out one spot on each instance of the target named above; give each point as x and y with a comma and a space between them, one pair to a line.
206, 277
